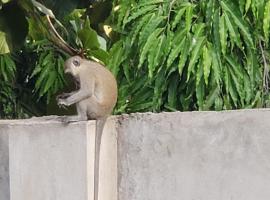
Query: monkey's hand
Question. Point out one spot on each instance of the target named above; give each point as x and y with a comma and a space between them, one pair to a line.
61, 102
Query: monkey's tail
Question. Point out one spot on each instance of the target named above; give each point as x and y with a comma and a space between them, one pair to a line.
99, 129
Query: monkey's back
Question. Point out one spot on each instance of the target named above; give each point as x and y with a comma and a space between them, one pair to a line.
105, 89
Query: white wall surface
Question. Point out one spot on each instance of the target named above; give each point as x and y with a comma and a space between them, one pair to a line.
166, 156
49, 160
195, 156
4, 165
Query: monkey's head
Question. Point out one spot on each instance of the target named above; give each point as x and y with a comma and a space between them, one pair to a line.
72, 65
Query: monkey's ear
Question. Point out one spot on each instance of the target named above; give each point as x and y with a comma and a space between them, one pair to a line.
76, 63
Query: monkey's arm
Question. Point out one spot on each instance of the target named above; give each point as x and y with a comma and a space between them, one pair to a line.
74, 98
64, 95
83, 93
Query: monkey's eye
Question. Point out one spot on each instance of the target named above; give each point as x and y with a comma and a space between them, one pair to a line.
76, 63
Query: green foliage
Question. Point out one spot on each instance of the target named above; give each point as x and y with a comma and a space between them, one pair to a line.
38, 61
90, 41
10, 106
191, 55
48, 71
12, 22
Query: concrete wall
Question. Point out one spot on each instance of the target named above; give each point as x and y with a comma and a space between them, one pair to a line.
166, 156
49, 160
4, 165
195, 156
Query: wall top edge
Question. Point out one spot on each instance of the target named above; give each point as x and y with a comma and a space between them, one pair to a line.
57, 119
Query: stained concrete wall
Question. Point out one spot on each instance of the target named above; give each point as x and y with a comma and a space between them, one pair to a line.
171, 156
195, 156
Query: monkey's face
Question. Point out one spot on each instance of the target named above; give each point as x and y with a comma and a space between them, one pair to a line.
72, 65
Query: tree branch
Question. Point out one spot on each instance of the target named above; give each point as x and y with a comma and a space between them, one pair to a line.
59, 41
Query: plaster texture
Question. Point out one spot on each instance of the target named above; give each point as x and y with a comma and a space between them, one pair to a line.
4, 165
52, 161
166, 156
194, 156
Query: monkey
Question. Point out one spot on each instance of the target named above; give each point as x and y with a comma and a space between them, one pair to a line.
95, 99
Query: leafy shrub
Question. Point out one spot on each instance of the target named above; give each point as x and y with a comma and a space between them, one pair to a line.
191, 55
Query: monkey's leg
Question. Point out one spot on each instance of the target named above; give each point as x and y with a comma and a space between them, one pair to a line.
82, 115
99, 129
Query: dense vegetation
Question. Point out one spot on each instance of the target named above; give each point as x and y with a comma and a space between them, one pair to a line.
192, 55
166, 55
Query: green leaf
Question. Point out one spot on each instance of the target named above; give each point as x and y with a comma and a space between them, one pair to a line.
195, 54
127, 71
210, 100
216, 66
60, 70
209, 11
223, 34
184, 55
46, 59
189, 16
140, 12
159, 51
2, 68
248, 3
207, 62
266, 21
102, 42
150, 2
139, 26
229, 86
151, 56
235, 66
233, 30
236, 15
100, 55
257, 98
142, 107
41, 79
218, 103
237, 85
149, 28
178, 17
216, 36
160, 85
89, 38
36, 71
178, 46
199, 30
10, 67
148, 45
252, 66
200, 86
3, 43
247, 89
116, 54
50, 81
